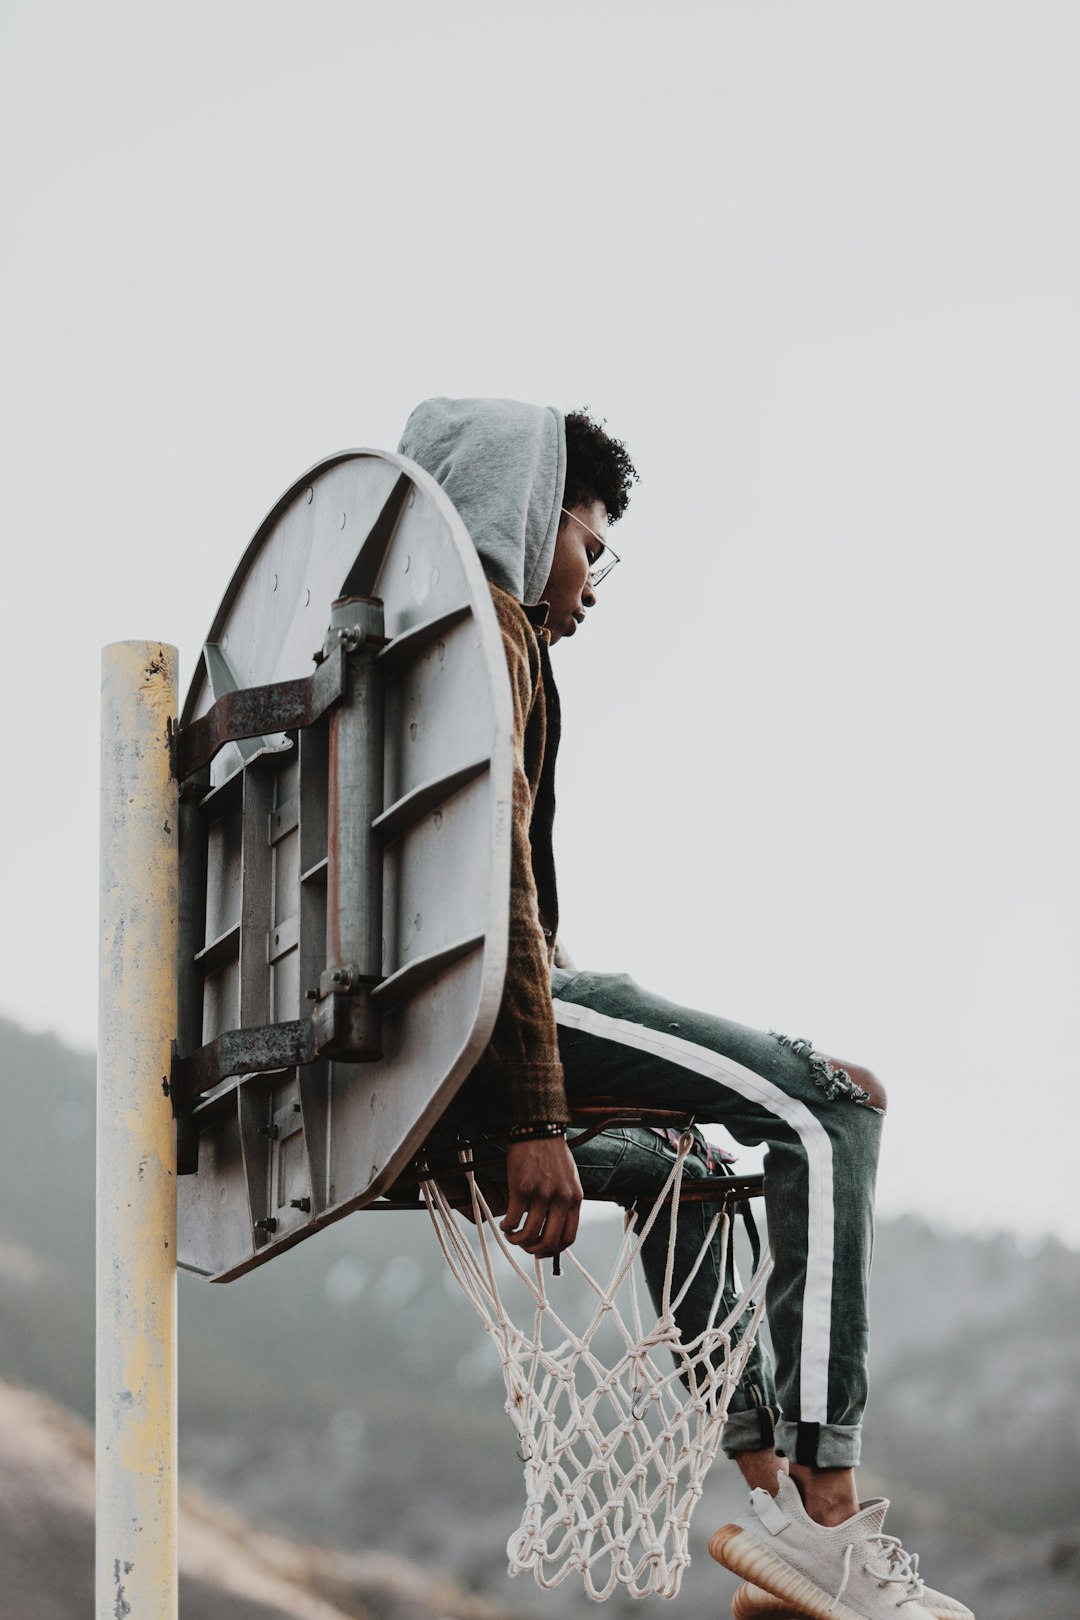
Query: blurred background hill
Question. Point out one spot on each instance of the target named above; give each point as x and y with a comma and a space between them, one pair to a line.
345, 1400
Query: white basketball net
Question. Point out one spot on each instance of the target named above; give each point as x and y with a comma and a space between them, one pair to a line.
615, 1454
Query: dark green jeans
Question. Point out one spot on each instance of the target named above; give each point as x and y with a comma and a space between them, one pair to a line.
821, 1136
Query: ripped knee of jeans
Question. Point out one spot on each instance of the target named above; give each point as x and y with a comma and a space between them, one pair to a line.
854, 1083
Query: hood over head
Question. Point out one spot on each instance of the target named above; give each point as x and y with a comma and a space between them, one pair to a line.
503, 464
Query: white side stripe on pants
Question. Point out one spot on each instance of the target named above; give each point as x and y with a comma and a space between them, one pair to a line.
817, 1292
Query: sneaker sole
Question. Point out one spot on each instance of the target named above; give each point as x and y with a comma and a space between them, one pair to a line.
745, 1555
753, 1603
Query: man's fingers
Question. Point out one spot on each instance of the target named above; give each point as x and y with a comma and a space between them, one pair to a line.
551, 1242
530, 1233
548, 1230
543, 1231
560, 1226
516, 1208
524, 1205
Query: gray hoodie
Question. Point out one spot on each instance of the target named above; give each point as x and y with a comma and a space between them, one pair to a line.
503, 464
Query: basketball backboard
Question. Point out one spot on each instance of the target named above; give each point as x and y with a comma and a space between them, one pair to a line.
362, 805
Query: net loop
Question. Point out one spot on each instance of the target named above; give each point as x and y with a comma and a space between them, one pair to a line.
618, 1420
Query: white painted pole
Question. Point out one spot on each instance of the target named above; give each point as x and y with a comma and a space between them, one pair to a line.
136, 1140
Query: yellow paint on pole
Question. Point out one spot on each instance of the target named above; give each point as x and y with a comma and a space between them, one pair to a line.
136, 1140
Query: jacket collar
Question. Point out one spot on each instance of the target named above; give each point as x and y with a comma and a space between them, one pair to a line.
537, 615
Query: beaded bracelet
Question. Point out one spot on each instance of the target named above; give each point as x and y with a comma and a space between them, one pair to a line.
538, 1132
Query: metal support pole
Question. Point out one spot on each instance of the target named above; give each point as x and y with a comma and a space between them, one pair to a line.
136, 1141
354, 876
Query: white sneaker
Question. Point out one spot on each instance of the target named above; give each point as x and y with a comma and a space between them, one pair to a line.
848, 1571
752, 1603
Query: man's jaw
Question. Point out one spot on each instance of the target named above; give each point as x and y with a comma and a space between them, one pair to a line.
570, 626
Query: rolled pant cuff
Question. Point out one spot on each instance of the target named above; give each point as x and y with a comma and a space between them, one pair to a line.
744, 1431
820, 1445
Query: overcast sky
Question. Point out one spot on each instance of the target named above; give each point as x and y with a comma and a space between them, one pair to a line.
817, 263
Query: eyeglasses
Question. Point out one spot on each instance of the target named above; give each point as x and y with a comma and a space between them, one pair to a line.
605, 559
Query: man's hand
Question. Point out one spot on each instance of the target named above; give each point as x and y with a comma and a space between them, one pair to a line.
545, 1193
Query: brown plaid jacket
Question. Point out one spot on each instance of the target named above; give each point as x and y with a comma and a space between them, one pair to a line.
519, 1079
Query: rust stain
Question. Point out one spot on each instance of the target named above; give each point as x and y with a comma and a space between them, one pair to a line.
121, 1607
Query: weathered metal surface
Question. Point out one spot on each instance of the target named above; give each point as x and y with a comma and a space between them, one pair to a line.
419, 939
136, 1182
242, 1051
354, 853
258, 710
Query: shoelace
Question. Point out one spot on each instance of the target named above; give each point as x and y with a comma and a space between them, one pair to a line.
848, 1550
900, 1566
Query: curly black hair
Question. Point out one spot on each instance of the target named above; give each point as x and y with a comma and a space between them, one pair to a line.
598, 468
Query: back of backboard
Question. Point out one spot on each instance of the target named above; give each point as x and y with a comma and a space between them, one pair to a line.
288, 1138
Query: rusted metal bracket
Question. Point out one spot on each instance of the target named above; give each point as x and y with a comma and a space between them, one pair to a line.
334, 1029
329, 1032
240, 1051
259, 711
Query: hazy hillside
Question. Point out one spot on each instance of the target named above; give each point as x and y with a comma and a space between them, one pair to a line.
345, 1393
228, 1570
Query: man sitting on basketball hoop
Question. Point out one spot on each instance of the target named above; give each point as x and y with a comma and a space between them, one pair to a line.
537, 493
